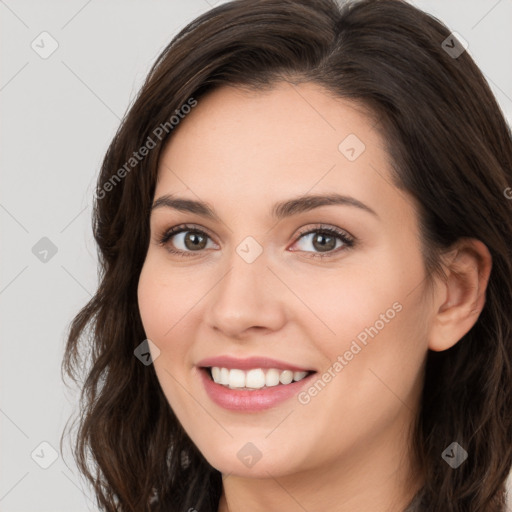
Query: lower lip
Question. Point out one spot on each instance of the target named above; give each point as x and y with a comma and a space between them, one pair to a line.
250, 401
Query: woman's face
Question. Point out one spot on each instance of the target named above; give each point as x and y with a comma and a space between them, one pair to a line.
250, 282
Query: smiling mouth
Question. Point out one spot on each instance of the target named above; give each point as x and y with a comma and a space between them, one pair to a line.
256, 378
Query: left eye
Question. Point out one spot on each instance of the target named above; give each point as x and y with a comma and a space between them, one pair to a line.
324, 240
193, 240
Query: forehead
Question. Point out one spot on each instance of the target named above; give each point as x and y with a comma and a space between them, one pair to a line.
282, 142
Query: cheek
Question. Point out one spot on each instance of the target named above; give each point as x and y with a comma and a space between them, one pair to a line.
161, 311
373, 316
164, 300
372, 362
351, 298
168, 305
149, 296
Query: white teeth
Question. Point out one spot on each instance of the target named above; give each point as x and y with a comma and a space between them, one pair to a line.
256, 378
299, 375
224, 376
286, 377
236, 378
272, 377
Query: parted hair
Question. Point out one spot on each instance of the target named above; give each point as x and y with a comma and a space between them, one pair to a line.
451, 150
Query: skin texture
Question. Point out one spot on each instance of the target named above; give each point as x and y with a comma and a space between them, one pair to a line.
345, 450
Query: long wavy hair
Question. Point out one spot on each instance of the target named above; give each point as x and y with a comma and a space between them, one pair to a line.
451, 150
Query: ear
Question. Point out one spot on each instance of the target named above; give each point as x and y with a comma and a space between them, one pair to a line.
461, 296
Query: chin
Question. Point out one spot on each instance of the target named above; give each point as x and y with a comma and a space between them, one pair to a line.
249, 462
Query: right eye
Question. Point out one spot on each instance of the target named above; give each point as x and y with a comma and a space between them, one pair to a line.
188, 238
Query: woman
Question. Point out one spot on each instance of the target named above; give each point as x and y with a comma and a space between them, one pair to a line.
304, 231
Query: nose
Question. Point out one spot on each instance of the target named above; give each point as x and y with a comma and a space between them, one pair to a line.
248, 297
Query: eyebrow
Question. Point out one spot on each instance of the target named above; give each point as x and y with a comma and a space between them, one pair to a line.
279, 211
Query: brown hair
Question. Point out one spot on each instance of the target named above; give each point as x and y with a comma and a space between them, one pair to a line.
451, 150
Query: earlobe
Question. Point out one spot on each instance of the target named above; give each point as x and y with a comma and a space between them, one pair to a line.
468, 268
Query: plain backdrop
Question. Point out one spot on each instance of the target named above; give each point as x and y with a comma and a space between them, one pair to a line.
58, 115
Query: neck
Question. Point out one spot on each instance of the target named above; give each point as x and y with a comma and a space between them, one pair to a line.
375, 477
277, 494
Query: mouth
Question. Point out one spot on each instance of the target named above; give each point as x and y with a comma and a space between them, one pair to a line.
255, 378
253, 384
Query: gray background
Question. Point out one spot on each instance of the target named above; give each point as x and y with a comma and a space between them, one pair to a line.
58, 116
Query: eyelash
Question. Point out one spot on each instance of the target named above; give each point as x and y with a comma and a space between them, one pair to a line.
347, 240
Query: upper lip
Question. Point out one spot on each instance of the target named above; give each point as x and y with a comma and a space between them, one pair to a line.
250, 363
